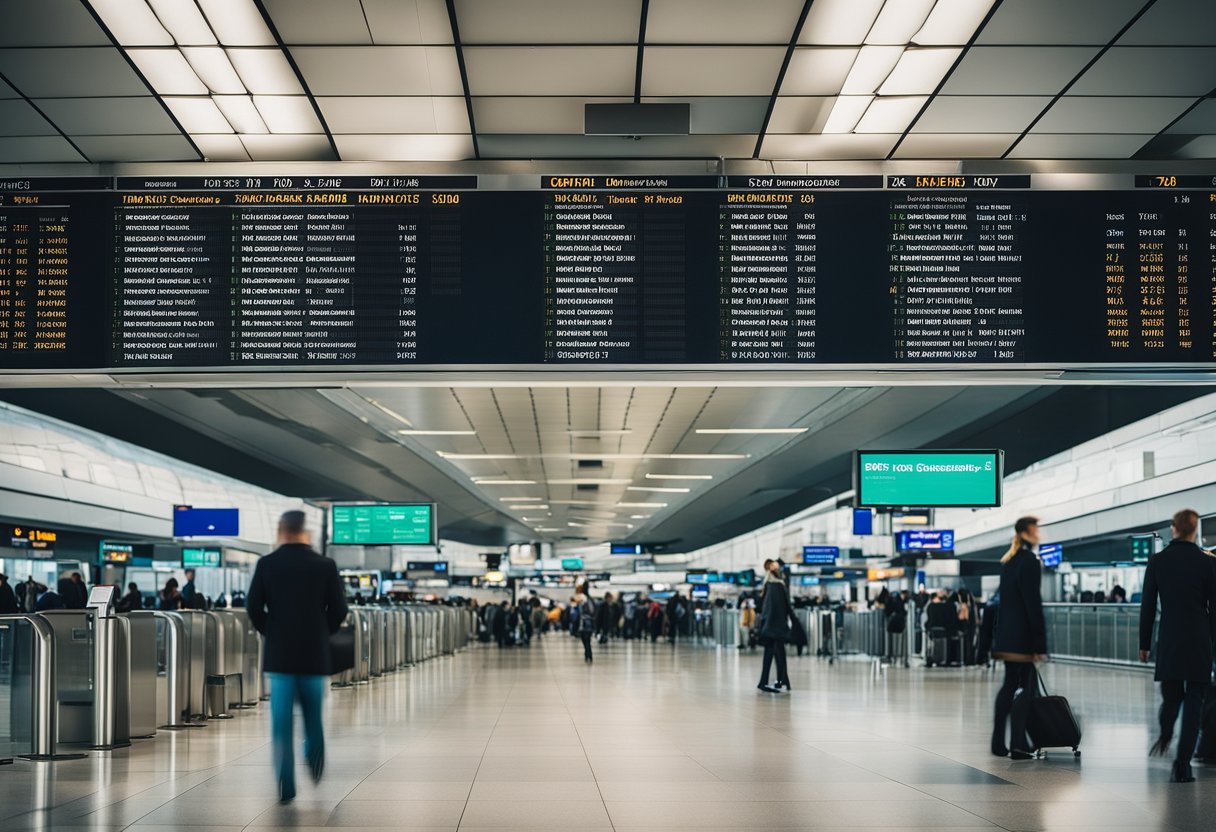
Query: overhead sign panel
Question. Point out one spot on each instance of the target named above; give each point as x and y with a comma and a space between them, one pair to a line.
406, 524
1051, 554
194, 556
929, 478
925, 540
189, 521
820, 555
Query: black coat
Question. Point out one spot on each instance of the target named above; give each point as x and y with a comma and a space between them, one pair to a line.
775, 612
8, 600
1020, 627
296, 601
1183, 577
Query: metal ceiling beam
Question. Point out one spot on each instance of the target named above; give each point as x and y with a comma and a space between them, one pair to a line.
637, 84
464, 75
785, 65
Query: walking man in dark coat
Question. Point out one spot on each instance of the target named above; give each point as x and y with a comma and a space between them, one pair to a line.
1183, 577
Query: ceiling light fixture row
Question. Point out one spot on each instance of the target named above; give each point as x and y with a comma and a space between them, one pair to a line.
910, 47
215, 64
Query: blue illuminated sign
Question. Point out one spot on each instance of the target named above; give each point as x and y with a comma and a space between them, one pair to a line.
863, 521
925, 540
1051, 554
820, 555
205, 522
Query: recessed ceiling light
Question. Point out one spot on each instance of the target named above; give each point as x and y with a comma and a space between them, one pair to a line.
528, 507
437, 432
446, 455
372, 402
607, 457
756, 431
576, 502
641, 505
847, 110
587, 481
503, 482
639, 517
679, 476
184, 21
623, 432
132, 24
658, 489
521, 499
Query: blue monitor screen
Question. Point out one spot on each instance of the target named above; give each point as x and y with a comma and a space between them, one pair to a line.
627, 549
863, 521
820, 555
205, 522
925, 540
1051, 554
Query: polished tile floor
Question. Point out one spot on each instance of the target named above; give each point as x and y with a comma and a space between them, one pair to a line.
649, 737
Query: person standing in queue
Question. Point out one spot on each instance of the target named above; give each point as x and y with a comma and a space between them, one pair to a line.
132, 601
170, 598
188, 591
586, 624
774, 627
296, 601
1183, 577
8, 598
1021, 640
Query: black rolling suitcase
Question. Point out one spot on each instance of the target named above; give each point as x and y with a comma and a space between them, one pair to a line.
940, 640
1052, 723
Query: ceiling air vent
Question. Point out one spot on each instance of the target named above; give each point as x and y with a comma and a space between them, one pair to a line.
587, 486
636, 119
588, 464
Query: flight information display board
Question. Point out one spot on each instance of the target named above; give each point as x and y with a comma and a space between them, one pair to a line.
315, 272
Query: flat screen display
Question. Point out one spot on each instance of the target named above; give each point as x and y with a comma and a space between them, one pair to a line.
406, 524
626, 549
117, 552
700, 591
206, 522
820, 555
171, 273
101, 596
439, 567
195, 556
932, 478
1051, 554
925, 540
863, 521
572, 564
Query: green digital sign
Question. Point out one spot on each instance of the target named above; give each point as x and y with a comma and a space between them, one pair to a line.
944, 479
194, 556
411, 524
572, 564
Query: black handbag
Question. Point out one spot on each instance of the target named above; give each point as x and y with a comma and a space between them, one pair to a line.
342, 651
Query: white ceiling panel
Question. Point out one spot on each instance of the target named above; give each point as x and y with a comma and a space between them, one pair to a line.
380, 70
18, 118
129, 148
611, 147
817, 71
221, 148
829, 147
1146, 70
737, 114
552, 70
265, 71
721, 21
108, 116
954, 145
1078, 146
800, 114
319, 21
1065, 22
839, 22
1073, 114
551, 115
268, 147
403, 148
408, 21
1201, 147
1174, 23
26, 149
711, 70
62, 73
1008, 70
549, 21
49, 23
408, 114
1202, 119
980, 114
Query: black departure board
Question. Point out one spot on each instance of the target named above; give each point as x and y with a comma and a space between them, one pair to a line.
314, 272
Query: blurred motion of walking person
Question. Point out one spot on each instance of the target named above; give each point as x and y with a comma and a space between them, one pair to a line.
296, 601
586, 624
8, 598
774, 627
1021, 640
1183, 578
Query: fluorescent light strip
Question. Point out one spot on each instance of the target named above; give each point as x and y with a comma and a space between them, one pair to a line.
415, 432
641, 505
184, 21
919, 71
529, 507
245, 118
521, 499
639, 517
132, 24
609, 457
214, 69
237, 22
658, 489
373, 402
503, 482
679, 476
576, 502
871, 67
751, 431
585, 481
899, 20
847, 110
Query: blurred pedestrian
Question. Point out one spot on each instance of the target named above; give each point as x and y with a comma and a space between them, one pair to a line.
8, 598
586, 624
774, 627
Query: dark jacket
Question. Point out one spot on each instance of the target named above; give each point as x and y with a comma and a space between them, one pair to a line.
797, 631
1020, 628
74, 595
132, 601
775, 612
296, 601
8, 600
1184, 578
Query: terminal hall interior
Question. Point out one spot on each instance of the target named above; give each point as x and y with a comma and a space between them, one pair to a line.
607, 414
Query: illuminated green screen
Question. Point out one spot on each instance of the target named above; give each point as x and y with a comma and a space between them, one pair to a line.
928, 478
383, 525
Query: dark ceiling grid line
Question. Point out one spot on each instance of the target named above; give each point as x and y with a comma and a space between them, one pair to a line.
316, 108
785, 65
139, 74
692, 423
658, 423
1130, 23
945, 78
1151, 144
54, 126
540, 445
370, 35
468, 419
637, 83
502, 420
464, 75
